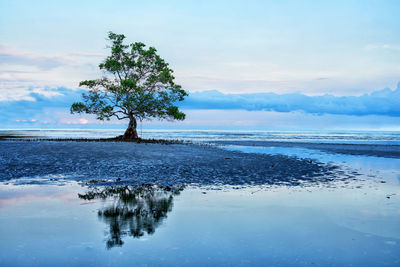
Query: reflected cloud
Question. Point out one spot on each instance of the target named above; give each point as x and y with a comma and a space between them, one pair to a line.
12, 194
131, 210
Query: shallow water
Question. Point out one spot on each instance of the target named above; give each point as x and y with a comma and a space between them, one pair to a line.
352, 224
374, 167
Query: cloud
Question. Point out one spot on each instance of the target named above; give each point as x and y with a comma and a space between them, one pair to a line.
88, 54
40, 105
384, 102
21, 70
74, 121
42, 62
370, 47
50, 107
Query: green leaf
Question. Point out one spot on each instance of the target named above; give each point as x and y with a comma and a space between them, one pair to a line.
137, 83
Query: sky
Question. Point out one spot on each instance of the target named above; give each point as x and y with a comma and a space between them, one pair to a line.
247, 64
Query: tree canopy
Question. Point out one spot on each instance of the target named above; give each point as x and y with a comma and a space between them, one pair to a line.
137, 84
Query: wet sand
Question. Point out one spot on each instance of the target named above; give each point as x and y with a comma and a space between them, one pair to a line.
174, 164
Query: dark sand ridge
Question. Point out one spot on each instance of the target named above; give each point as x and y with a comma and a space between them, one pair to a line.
174, 164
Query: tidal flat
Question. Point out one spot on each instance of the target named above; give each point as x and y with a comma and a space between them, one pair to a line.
175, 164
95, 203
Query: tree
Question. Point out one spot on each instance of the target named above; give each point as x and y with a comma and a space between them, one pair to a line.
137, 84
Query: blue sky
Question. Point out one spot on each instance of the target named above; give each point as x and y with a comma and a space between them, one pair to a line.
265, 64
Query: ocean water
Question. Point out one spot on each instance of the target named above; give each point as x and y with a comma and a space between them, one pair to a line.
343, 137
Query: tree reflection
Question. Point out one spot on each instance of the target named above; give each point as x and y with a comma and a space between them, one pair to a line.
133, 210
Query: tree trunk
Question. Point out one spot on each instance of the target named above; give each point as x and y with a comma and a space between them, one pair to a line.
131, 132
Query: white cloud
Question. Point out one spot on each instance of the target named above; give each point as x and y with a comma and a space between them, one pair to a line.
370, 47
40, 61
22, 72
87, 54
74, 121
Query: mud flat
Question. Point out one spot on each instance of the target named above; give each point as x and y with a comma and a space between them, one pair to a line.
172, 164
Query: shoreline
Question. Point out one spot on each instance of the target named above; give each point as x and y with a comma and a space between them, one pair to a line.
112, 139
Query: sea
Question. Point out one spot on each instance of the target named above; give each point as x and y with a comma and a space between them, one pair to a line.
338, 137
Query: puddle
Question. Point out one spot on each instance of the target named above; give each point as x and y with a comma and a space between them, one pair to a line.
76, 224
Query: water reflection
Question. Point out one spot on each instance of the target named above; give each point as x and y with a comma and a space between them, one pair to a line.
132, 211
